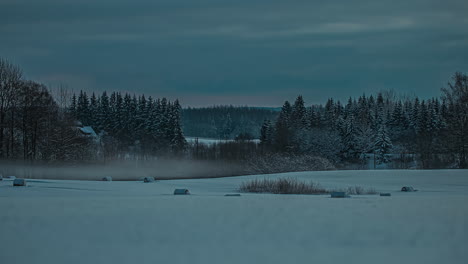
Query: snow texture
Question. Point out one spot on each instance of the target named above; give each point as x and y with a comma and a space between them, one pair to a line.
56, 221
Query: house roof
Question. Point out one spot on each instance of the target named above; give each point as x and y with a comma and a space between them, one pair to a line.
87, 130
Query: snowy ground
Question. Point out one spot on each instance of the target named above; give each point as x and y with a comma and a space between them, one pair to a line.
53, 221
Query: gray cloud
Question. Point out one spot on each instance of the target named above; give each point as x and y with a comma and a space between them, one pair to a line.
241, 52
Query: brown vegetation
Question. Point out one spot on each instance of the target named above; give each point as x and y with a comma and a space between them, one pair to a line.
294, 186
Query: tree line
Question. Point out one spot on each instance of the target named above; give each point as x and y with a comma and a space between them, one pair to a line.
129, 124
36, 126
33, 126
225, 122
432, 131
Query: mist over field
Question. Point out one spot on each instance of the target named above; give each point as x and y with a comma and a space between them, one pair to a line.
124, 170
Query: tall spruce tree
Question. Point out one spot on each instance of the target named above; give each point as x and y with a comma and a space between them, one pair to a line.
383, 145
282, 128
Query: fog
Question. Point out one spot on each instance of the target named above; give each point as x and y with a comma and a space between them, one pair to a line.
123, 170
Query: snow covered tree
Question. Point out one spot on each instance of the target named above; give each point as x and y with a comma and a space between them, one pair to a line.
227, 127
349, 138
314, 118
382, 144
178, 142
299, 114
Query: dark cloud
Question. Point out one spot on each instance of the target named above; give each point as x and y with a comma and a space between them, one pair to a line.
254, 52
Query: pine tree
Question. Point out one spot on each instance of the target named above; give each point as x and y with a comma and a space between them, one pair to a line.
73, 106
421, 120
414, 115
349, 108
118, 118
93, 112
349, 138
227, 127
141, 117
126, 113
82, 111
299, 114
178, 142
382, 144
104, 113
282, 128
266, 133
163, 126
314, 118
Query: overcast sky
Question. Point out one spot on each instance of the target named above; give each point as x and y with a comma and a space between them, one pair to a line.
242, 52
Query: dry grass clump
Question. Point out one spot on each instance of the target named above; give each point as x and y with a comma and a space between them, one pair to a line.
282, 186
294, 186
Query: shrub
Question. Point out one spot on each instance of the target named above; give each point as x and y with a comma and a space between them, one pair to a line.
282, 186
294, 186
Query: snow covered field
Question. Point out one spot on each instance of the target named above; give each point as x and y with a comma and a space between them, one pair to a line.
54, 221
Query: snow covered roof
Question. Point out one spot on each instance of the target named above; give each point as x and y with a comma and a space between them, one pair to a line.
89, 131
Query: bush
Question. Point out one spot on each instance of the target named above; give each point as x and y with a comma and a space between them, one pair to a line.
282, 186
294, 186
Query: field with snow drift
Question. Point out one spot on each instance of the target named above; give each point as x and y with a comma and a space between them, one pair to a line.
57, 221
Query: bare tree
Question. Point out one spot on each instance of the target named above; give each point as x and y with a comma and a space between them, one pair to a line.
10, 79
62, 95
456, 96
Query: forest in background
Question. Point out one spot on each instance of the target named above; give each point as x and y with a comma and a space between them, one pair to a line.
226, 122
38, 126
126, 124
431, 132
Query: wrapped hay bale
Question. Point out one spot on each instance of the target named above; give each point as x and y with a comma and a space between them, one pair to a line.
181, 192
148, 179
19, 182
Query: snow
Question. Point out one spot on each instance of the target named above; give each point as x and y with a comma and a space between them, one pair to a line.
57, 221
87, 130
